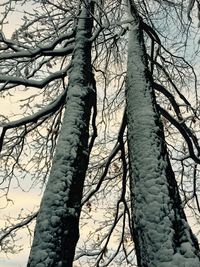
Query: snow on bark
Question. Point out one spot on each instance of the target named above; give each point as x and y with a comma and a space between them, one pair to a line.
56, 232
162, 235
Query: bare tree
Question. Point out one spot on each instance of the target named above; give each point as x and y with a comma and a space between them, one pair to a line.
56, 231
158, 216
61, 54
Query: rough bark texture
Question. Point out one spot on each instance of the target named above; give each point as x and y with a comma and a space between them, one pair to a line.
162, 235
57, 232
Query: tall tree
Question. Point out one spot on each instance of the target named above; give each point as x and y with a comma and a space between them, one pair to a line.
57, 225
122, 181
158, 216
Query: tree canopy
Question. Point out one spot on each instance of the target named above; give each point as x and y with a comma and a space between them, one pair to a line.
60, 47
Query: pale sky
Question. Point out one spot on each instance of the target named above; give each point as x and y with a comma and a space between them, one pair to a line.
21, 200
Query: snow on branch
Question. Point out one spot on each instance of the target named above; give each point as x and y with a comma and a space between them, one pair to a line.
183, 132
51, 108
31, 82
7, 232
32, 52
35, 117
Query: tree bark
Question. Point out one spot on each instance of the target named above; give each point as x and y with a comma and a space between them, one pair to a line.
162, 235
57, 232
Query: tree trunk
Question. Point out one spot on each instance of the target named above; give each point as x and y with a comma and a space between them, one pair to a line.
57, 231
162, 235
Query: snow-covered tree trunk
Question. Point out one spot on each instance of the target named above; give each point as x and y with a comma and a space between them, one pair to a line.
57, 232
162, 235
